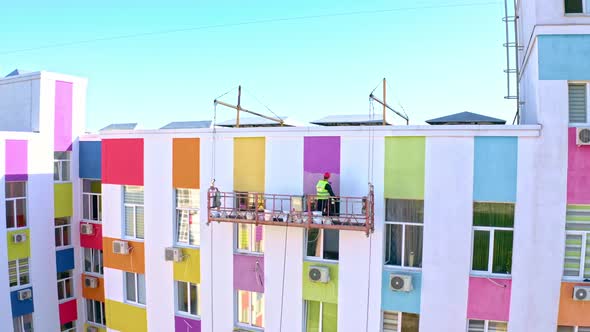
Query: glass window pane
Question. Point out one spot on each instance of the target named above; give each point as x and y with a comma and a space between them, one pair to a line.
393, 244
476, 326
65, 171
329, 317
139, 222
502, 252
141, 288
258, 309
69, 288
15, 189
12, 273
130, 287
497, 326
187, 198
413, 244
404, 210
133, 195
244, 236
56, 171
129, 221
312, 317
182, 296
481, 247
99, 312
58, 237
10, 217
193, 299
86, 207
28, 322
90, 311
87, 260
258, 238
331, 243
194, 228
574, 6
60, 291
21, 213
493, 214
587, 264
96, 259
410, 322
243, 307
182, 224
314, 240
16, 324
66, 236
23, 267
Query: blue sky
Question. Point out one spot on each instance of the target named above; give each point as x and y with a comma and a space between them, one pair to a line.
438, 61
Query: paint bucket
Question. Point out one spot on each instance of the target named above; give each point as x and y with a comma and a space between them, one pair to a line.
267, 215
317, 217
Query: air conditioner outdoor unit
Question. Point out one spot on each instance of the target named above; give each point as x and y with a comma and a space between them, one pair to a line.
90, 282
91, 329
19, 237
582, 293
86, 229
173, 254
583, 135
400, 282
25, 294
121, 247
319, 274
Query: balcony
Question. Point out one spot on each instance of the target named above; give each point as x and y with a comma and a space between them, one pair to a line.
343, 213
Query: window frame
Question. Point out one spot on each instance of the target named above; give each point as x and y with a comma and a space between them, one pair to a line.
15, 199
134, 206
63, 283
101, 308
60, 163
486, 323
400, 321
136, 289
88, 196
71, 329
18, 273
251, 241
492, 230
176, 220
241, 325
587, 86
21, 323
92, 263
584, 256
60, 228
188, 291
403, 253
322, 244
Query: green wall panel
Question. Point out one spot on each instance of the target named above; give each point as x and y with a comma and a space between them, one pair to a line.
316, 291
404, 167
63, 200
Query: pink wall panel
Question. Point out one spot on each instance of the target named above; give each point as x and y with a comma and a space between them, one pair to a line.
321, 154
16, 160
63, 116
68, 312
578, 171
489, 299
93, 241
122, 161
249, 273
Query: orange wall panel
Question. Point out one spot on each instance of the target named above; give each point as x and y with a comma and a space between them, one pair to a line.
134, 262
97, 293
572, 313
185, 163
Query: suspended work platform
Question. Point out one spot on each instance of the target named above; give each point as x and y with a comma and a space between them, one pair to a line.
343, 213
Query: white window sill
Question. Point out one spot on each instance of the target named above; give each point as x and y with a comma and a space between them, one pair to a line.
133, 239
58, 181
135, 304
249, 253
66, 300
93, 274
490, 275
577, 14
96, 324
187, 315
186, 246
14, 229
92, 221
576, 280
19, 287
69, 246
240, 327
320, 260
394, 268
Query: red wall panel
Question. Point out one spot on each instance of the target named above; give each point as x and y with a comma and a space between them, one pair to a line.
93, 241
68, 312
122, 161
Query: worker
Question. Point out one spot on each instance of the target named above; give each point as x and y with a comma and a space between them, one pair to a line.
324, 193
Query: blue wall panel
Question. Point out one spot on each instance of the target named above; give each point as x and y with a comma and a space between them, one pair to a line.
20, 308
564, 57
90, 160
64, 260
401, 301
495, 169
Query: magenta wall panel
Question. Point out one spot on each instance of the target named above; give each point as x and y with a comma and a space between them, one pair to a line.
183, 324
93, 241
122, 161
16, 160
321, 154
249, 273
578, 171
68, 312
489, 299
63, 116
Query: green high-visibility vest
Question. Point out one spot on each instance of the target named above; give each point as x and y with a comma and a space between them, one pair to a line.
321, 190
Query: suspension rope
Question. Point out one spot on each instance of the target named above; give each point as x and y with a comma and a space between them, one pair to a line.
283, 282
261, 103
213, 148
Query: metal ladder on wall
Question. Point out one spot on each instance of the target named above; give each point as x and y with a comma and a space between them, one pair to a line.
512, 47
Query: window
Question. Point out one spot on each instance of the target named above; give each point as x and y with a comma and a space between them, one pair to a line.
574, 6
65, 285
187, 217
91, 201
63, 231
135, 288
23, 323
577, 103
250, 309
250, 238
486, 326
562, 328
249, 201
321, 317
95, 312
92, 261
322, 243
188, 298
18, 271
61, 166
134, 211
394, 321
68, 327
16, 204
492, 238
577, 244
404, 232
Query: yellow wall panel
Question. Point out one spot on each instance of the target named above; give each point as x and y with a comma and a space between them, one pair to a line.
189, 270
125, 317
249, 160
62, 193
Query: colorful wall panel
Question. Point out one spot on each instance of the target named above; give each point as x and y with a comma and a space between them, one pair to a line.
20, 308
186, 163
122, 161
571, 312
93, 241
134, 262
564, 57
63, 200
249, 273
401, 301
489, 299
125, 317
18, 250
320, 155
16, 160
578, 171
321, 292
183, 324
404, 167
90, 160
64, 260
189, 270
494, 178
97, 293
249, 164
63, 116
68, 312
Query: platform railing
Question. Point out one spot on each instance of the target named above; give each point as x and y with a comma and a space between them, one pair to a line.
340, 212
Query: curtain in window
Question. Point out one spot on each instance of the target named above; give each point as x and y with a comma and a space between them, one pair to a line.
12, 273
410, 322
481, 247
390, 322
182, 296
493, 214
139, 222
413, 249
182, 217
244, 236
329, 317
15, 189
476, 326
21, 213
577, 220
497, 326
573, 252
187, 198
133, 195
393, 244
141, 288
23, 270
90, 312
312, 318
130, 287
10, 217
502, 252
258, 309
404, 210
583, 329
244, 307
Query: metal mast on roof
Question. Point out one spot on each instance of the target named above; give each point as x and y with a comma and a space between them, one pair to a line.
512, 47
238, 107
385, 106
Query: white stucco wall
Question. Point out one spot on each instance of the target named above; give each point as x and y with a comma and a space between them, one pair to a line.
113, 285
112, 213
5, 315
